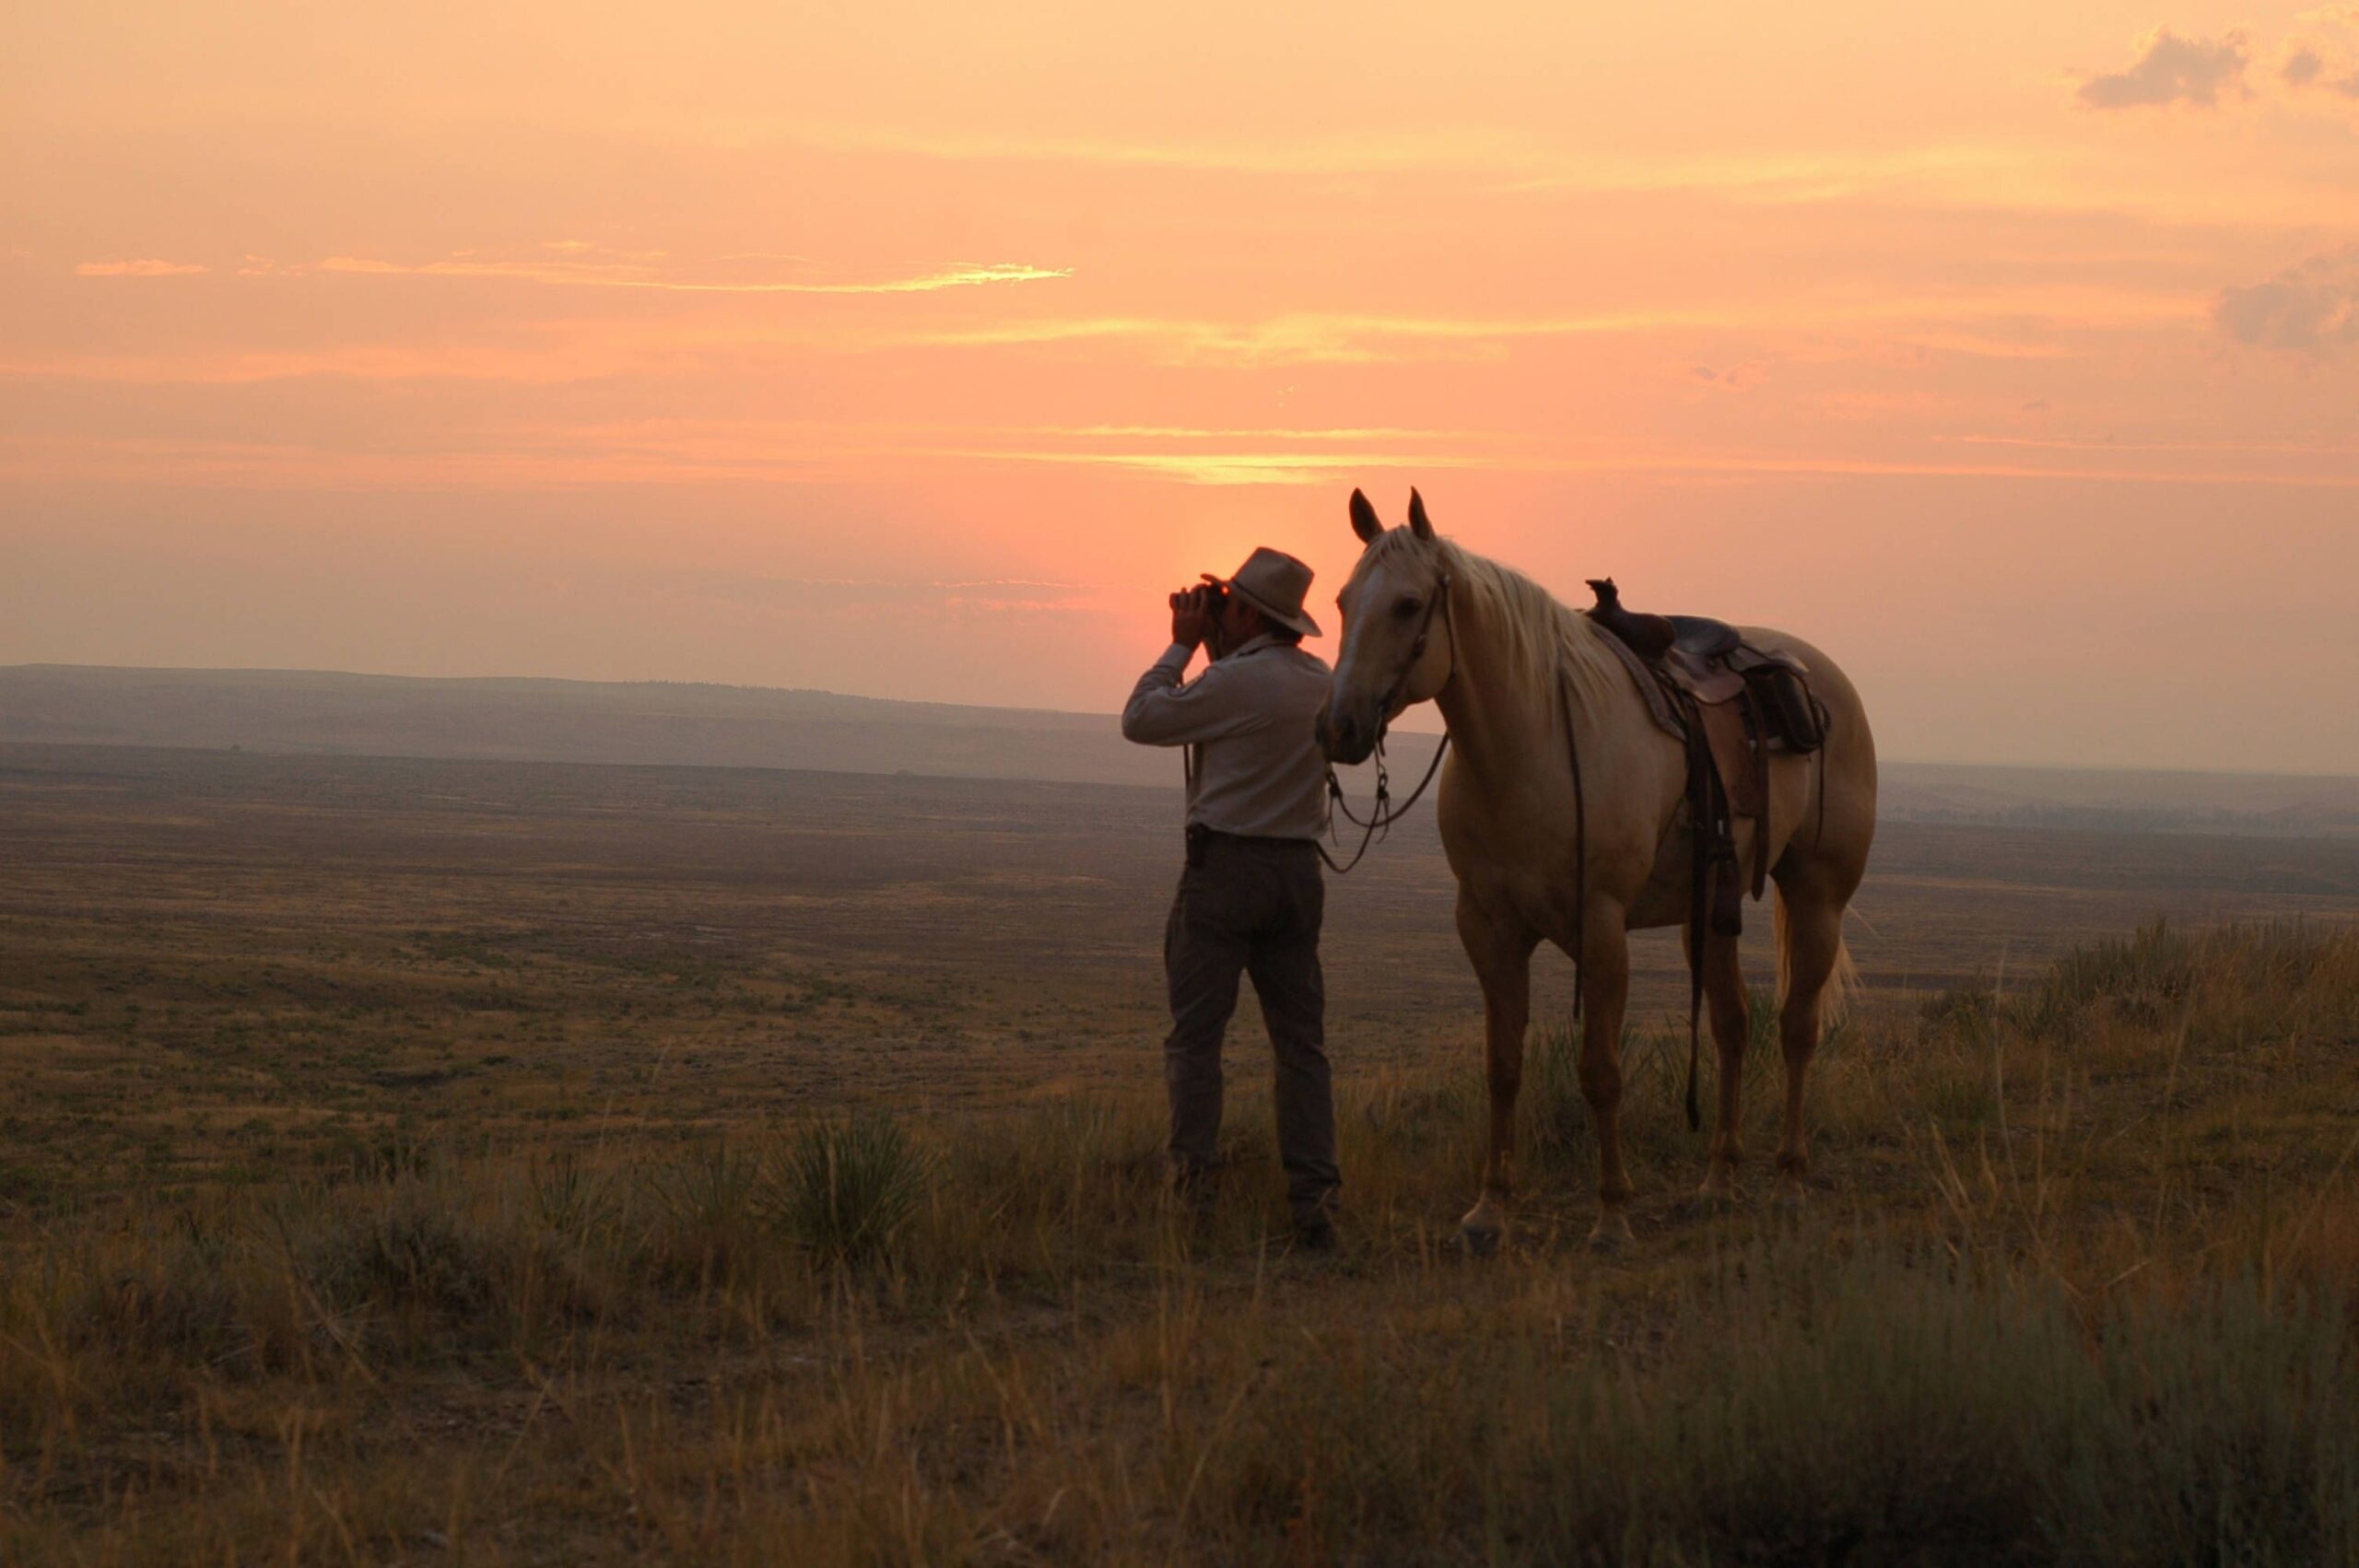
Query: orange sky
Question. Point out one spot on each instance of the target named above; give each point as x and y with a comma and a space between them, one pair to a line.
917, 350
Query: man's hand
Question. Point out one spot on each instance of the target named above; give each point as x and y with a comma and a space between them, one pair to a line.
1191, 617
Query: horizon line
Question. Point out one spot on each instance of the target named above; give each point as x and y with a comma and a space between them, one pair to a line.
1108, 715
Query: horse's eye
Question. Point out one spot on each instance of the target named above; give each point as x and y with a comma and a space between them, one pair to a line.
1407, 607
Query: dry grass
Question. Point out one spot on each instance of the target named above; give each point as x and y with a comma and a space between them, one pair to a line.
2074, 1286
461, 1163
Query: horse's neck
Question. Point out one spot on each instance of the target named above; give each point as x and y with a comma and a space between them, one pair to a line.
1498, 711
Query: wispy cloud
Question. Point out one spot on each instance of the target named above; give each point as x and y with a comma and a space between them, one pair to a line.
538, 365
1292, 339
2172, 70
2310, 308
1361, 153
1802, 175
2116, 444
998, 592
150, 267
647, 275
2022, 323
555, 465
1370, 339
1299, 468
1232, 468
1193, 433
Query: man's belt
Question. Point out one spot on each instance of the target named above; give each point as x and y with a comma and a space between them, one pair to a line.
1199, 835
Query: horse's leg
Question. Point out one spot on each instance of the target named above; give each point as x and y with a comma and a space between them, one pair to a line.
1605, 990
1731, 1027
1813, 943
1502, 959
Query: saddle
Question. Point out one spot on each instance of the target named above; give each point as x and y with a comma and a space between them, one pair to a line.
1731, 705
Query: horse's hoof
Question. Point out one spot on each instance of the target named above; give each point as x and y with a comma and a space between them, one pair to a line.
1789, 1196
1611, 1235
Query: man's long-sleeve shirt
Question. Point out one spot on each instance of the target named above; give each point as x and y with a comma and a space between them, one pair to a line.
1258, 773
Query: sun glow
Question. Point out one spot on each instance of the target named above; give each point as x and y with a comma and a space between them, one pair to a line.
1060, 294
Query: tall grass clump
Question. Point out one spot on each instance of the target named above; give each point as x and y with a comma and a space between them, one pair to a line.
1562, 1132
1881, 1409
844, 1189
2144, 979
2164, 975
1043, 1192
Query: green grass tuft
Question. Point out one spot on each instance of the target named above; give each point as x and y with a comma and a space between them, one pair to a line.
845, 1189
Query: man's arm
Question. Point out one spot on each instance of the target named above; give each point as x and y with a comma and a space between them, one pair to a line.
1165, 712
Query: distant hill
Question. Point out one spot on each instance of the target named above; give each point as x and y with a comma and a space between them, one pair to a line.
552, 721
2153, 801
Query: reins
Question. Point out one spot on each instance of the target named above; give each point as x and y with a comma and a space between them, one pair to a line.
1378, 825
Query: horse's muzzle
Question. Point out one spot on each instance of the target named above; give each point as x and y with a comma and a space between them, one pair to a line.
1344, 738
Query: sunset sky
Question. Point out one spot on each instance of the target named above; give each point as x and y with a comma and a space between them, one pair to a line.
2010, 352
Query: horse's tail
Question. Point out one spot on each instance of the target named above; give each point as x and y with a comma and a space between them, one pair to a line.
1835, 996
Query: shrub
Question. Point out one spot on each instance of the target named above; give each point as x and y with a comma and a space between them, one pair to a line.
403, 1245
2146, 978
710, 1215
1966, 1010
843, 1189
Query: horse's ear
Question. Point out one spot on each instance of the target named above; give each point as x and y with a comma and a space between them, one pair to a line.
1364, 521
1417, 523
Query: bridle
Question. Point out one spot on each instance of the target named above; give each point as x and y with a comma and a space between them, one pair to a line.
1378, 825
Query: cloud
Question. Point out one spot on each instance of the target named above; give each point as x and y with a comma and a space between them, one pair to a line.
633, 273
1234, 467
1195, 432
2172, 70
1726, 378
148, 268
2310, 308
1354, 154
1005, 593
1334, 339
2305, 66
1298, 338
956, 601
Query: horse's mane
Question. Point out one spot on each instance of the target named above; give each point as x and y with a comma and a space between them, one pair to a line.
1539, 634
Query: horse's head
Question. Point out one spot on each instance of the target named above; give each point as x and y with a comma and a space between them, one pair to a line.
1392, 655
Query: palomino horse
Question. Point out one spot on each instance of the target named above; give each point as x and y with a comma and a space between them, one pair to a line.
1510, 667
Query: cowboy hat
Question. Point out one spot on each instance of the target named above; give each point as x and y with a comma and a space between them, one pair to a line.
1273, 582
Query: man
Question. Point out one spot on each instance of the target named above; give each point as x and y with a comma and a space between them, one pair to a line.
1250, 898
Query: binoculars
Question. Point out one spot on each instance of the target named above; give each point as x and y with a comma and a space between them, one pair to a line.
1214, 596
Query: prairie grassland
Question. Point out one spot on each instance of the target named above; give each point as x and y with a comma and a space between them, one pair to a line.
293, 1268
2076, 1284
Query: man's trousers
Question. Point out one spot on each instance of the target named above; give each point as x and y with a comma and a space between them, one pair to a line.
1253, 907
